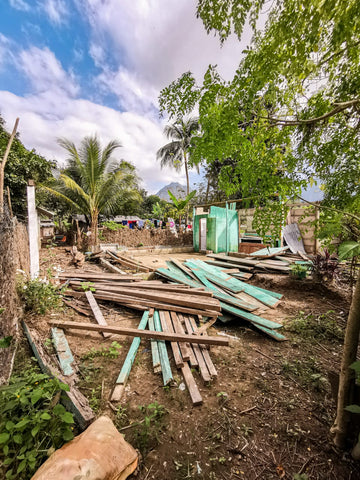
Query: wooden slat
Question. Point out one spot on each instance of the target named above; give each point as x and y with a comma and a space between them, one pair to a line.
191, 385
73, 399
63, 351
154, 345
110, 267
205, 352
178, 328
128, 363
99, 276
164, 359
77, 308
97, 312
192, 357
204, 372
168, 327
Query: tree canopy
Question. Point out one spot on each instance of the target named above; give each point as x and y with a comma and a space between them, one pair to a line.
290, 115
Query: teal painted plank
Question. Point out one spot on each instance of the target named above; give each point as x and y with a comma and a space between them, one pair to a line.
250, 316
269, 251
272, 333
170, 275
130, 357
154, 346
63, 351
164, 359
174, 268
269, 292
217, 294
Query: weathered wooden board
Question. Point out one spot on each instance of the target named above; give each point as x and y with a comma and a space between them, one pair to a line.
97, 312
63, 351
164, 359
191, 385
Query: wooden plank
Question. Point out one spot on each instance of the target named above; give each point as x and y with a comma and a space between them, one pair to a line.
154, 346
190, 352
191, 385
127, 263
178, 328
204, 372
182, 267
73, 399
88, 276
205, 352
77, 308
251, 317
164, 359
110, 267
133, 332
128, 363
206, 325
63, 351
168, 327
269, 252
97, 312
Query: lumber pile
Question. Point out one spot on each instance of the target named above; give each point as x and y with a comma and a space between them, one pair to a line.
237, 298
127, 262
266, 260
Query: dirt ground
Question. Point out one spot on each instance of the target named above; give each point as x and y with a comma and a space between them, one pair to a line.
268, 414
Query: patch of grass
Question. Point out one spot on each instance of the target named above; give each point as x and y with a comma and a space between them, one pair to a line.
307, 371
147, 432
113, 351
321, 327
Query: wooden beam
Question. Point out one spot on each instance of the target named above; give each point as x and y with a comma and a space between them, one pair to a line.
191, 385
154, 345
128, 363
178, 328
205, 352
133, 332
110, 267
97, 312
168, 327
164, 359
63, 351
204, 372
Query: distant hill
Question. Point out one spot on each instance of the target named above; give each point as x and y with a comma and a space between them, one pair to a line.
175, 188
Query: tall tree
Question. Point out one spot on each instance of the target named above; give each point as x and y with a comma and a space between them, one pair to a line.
94, 183
289, 116
175, 154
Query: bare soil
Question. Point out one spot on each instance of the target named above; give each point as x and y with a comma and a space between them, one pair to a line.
267, 416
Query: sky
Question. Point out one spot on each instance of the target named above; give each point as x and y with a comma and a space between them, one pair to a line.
72, 68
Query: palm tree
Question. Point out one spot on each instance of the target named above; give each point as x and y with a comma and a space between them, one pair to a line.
175, 154
93, 183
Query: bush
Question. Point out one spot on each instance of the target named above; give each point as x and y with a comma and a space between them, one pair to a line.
111, 225
39, 296
32, 423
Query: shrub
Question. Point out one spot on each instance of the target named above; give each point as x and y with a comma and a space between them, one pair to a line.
111, 225
32, 423
39, 296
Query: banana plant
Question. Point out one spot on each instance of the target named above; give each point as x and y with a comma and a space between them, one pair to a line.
181, 204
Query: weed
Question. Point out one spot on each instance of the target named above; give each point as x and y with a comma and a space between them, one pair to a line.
32, 423
121, 416
307, 371
87, 286
111, 225
246, 430
148, 430
322, 327
112, 352
95, 398
39, 296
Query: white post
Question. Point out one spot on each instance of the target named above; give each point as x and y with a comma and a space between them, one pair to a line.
33, 231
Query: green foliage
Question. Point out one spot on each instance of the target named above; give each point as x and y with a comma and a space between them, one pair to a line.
113, 351
298, 270
321, 327
324, 267
22, 165
87, 286
281, 125
148, 430
180, 204
307, 371
349, 250
32, 423
38, 296
5, 342
113, 226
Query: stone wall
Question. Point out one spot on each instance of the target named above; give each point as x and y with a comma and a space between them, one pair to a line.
147, 237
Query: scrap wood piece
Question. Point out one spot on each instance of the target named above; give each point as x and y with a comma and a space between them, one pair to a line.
73, 399
63, 351
133, 332
164, 359
111, 267
167, 326
89, 276
205, 352
154, 345
78, 258
127, 263
97, 312
191, 385
77, 308
205, 326
204, 372
182, 267
251, 317
178, 328
119, 388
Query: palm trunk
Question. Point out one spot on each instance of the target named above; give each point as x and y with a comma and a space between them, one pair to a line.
94, 237
187, 187
347, 375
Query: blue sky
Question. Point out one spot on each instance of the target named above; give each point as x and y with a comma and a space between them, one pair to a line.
70, 68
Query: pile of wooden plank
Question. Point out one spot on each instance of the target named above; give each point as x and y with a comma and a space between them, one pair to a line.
237, 298
127, 262
267, 260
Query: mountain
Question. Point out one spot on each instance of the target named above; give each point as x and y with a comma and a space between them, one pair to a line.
175, 188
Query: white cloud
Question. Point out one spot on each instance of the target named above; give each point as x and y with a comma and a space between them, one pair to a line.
45, 72
56, 10
153, 43
19, 5
75, 118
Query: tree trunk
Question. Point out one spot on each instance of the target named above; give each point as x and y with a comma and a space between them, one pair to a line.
94, 237
2, 166
347, 375
187, 187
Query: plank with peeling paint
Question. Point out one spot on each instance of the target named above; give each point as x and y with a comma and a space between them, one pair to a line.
63, 351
